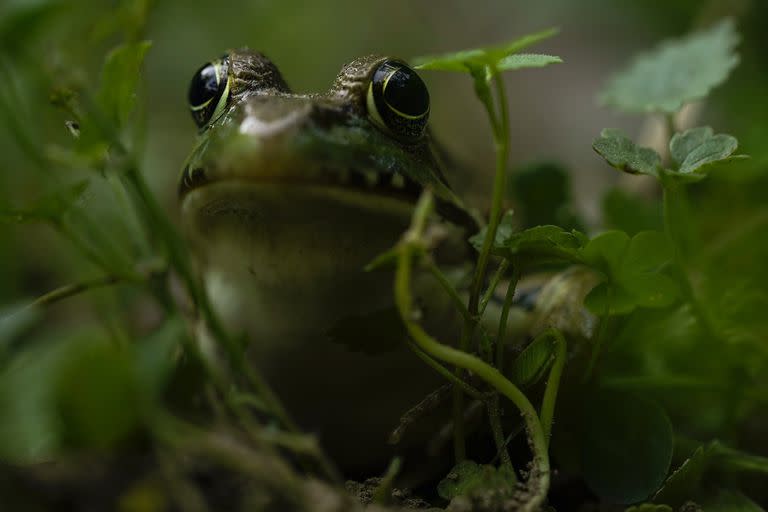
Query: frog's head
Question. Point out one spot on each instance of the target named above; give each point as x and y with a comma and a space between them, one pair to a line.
365, 141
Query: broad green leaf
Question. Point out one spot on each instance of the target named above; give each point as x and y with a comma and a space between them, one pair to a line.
633, 272
491, 56
541, 245
623, 154
532, 363
676, 72
98, 396
119, 81
699, 147
527, 60
627, 446
467, 478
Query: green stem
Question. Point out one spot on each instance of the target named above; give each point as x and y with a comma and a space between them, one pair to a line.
539, 477
508, 299
503, 266
449, 288
602, 333
494, 418
553, 383
446, 373
501, 142
70, 290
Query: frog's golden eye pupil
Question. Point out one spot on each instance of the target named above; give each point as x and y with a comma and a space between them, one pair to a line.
209, 91
398, 101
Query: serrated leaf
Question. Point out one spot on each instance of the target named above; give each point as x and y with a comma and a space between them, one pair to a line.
623, 154
527, 60
699, 147
627, 446
119, 80
492, 56
676, 72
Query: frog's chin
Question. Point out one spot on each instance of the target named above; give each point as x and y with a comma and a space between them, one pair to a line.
291, 233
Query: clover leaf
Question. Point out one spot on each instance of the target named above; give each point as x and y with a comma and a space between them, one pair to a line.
623, 154
697, 148
632, 270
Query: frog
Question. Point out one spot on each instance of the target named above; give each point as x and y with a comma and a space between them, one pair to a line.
285, 198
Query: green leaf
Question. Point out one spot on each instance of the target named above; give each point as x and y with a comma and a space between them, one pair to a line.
527, 60
697, 148
623, 154
676, 72
98, 396
119, 80
537, 246
633, 272
469, 478
628, 213
685, 482
531, 365
627, 446
491, 56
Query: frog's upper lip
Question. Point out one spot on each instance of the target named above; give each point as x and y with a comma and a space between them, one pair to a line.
364, 180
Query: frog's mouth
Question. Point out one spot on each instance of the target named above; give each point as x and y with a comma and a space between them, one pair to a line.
354, 180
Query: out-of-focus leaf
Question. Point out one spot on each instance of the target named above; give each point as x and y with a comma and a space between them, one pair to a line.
623, 154
119, 80
630, 214
627, 446
676, 72
14, 320
633, 270
98, 397
698, 148
527, 60
542, 195
22, 22
684, 483
493, 56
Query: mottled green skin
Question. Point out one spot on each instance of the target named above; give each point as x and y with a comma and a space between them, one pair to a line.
285, 198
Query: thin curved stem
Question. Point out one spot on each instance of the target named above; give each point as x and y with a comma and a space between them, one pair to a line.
539, 477
553, 383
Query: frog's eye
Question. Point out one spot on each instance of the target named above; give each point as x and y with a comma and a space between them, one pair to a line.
398, 101
209, 91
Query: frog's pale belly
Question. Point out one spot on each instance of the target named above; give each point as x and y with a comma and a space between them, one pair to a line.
285, 265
